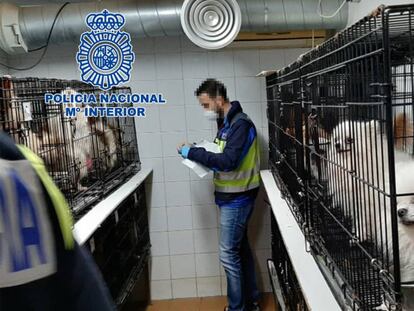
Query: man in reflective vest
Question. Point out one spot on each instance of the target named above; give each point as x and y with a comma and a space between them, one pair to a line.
41, 266
236, 180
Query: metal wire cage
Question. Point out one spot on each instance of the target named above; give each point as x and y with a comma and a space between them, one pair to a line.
121, 246
88, 157
341, 144
285, 285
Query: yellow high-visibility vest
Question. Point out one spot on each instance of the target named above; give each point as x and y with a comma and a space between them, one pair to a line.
58, 199
247, 175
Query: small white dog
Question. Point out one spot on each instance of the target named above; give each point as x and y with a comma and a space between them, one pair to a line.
358, 166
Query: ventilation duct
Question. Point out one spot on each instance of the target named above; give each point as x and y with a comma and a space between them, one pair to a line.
211, 24
11, 40
151, 18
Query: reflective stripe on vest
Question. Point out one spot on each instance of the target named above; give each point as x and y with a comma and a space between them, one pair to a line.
58, 199
245, 177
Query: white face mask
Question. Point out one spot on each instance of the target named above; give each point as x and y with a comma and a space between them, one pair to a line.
211, 115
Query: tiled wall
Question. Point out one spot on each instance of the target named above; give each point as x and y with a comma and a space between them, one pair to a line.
3, 60
183, 218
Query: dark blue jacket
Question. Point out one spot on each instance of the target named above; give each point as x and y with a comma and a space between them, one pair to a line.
239, 139
76, 285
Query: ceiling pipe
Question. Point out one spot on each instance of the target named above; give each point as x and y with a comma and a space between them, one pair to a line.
154, 18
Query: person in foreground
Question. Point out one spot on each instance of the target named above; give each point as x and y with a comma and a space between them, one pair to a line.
236, 179
42, 268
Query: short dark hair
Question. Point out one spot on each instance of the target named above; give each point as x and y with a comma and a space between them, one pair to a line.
212, 88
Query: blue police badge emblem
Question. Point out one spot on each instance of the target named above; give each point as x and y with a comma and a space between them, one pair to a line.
105, 55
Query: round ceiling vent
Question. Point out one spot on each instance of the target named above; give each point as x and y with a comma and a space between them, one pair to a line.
211, 24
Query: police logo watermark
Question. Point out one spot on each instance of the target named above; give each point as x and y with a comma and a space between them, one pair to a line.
105, 55
105, 59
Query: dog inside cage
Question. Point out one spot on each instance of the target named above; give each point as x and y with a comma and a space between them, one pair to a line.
86, 156
341, 128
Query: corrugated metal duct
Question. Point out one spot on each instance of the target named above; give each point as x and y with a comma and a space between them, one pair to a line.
151, 18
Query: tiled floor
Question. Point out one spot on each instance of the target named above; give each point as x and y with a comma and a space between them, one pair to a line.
204, 304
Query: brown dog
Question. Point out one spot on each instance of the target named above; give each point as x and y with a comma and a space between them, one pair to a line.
403, 132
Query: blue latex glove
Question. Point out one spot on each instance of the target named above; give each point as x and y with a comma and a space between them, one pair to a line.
184, 151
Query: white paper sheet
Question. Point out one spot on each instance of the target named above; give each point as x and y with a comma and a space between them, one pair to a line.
198, 168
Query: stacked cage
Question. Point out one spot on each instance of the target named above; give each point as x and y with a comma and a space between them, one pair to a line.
285, 285
121, 246
88, 157
341, 146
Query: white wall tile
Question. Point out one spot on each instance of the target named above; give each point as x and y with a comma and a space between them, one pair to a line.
159, 243
264, 114
143, 46
181, 242
144, 68
246, 63
204, 216
157, 165
196, 120
177, 193
261, 212
179, 218
205, 240
271, 59
259, 237
144, 86
223, 280
149, 145
157, 219
173, 118
151, 122
161, 290
202, 192
195, 65
170, 141
263, 93
210, 286
182, 266
254, 111
172, 90
207, 264
184, 288
155, 195
65, 68
264, 283
160, 268
168, 66
175, 170
261, 258
248, 89
264, 160
221, 64
194, 176
264, 138
167, 45
190, 86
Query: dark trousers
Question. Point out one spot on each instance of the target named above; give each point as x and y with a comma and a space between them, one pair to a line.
77, 285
